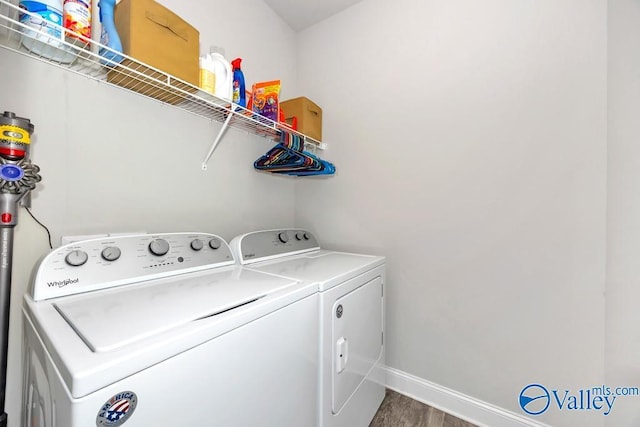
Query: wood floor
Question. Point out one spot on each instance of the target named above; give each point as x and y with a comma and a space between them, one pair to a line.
398, 410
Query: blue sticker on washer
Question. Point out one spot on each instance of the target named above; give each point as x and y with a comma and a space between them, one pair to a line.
117, 410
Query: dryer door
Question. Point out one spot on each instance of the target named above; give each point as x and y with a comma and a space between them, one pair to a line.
357, 339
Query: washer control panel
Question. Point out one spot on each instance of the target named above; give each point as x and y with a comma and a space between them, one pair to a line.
270, 244
115, 261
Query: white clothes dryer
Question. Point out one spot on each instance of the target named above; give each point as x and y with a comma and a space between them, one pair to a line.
165, 330
351, 316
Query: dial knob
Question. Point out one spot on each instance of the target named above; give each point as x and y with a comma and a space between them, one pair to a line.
305, 236
197, 244
159, 247
283, 237
111, 253
214, 243
298, 236
76, 258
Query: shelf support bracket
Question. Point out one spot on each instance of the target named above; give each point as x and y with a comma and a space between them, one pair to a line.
225, 125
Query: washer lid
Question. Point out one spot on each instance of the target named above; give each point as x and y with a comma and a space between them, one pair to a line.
111, 319
325, 267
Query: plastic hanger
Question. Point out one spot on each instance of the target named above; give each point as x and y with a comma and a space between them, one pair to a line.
288, 157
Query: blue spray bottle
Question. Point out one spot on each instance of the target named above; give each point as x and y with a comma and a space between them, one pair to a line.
239, 92
109, 36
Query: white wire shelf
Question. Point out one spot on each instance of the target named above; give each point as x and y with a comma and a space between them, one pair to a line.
81, 57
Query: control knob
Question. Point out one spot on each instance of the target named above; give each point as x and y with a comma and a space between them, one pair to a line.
214, 243
302, 236
76, 258
283, 237
111, 253
197, 245
159, 247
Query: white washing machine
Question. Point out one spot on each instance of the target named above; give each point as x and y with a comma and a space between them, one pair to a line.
351, 317
165, 330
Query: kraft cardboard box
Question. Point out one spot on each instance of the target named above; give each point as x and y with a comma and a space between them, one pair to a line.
155, 36
308, 113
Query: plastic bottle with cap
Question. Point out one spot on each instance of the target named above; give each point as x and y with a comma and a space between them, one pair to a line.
223, 73
42, 29
239, 91
207, 75
109, 36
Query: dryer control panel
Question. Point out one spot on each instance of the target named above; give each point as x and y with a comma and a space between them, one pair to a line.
271, 244
120, 260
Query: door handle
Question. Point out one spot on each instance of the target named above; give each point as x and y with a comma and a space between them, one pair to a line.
342, 354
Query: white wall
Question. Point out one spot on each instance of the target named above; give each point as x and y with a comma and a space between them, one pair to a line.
470, 142
116, 161
623, 222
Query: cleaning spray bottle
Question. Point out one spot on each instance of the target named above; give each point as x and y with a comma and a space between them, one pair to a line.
239, 93
109, 36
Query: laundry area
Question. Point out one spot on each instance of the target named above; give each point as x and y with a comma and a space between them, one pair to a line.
273, 212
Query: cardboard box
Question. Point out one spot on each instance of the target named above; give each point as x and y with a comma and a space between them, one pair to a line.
308, 113
154, 35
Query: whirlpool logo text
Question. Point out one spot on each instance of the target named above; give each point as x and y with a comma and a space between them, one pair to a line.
63, 283
536, 399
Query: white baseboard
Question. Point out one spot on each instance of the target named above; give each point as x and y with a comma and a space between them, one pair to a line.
457, 404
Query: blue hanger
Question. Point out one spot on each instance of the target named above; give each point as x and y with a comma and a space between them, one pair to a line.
288, 157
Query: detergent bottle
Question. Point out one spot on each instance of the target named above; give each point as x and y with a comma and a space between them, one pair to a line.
42, 29
239, 92
207, 75
224, 76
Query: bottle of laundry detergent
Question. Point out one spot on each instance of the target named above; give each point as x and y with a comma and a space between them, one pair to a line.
109, 36
207, 75
42, 29
239, 93
223, 75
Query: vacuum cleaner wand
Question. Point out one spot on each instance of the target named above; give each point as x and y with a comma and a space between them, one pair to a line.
18, 176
